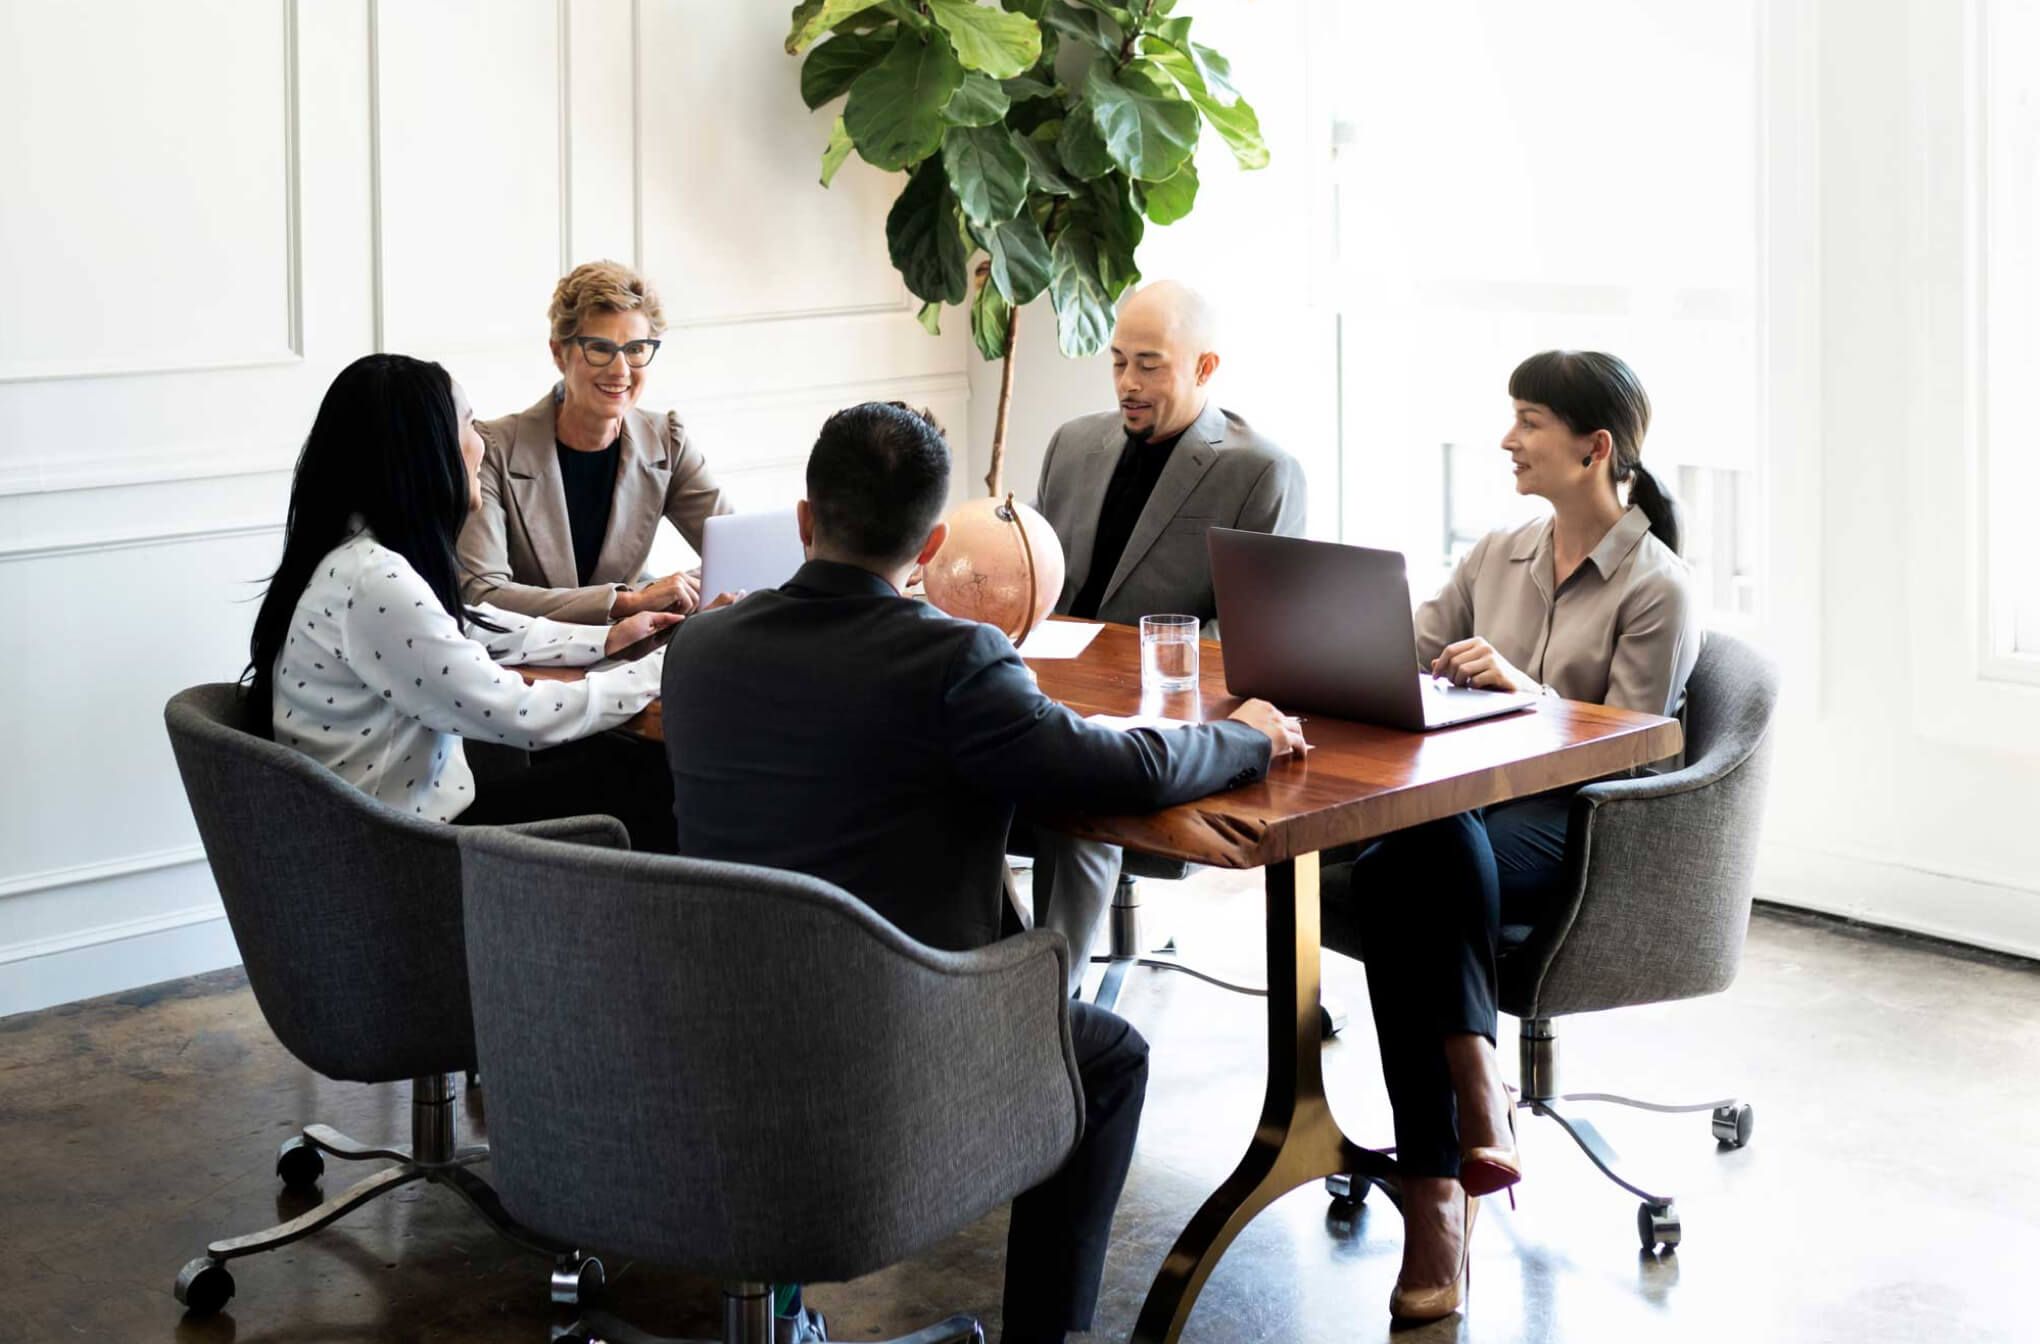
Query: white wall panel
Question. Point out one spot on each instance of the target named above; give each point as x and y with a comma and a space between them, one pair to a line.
468, 170
602, 110
148, 214
736, 223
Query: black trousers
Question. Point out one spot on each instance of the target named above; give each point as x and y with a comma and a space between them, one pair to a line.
616, 776
1055, 1247
1430, 902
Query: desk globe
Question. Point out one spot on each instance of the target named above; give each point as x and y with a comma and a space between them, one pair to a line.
1002, 565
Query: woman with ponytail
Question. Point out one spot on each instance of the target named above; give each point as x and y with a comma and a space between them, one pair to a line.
1591, 603
364, 658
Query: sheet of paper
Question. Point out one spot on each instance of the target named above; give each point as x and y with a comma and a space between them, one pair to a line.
1125, 722
1059, 639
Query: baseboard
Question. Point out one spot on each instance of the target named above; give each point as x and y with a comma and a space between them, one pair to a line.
1874, 891
165, 944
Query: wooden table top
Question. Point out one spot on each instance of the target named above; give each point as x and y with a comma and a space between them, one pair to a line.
1357, 782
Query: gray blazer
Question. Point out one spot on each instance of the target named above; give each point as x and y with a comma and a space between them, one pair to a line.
1222, 474
517, 550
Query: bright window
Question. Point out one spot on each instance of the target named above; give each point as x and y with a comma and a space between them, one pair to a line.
1515, 178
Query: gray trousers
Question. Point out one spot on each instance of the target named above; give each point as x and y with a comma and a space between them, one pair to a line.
1073, 885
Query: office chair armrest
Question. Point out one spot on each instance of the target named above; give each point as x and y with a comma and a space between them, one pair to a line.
594, 829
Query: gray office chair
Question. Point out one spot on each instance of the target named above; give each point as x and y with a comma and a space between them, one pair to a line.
347, 915
1661, 872
747, 1074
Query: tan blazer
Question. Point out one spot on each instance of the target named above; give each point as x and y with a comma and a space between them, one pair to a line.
517, 550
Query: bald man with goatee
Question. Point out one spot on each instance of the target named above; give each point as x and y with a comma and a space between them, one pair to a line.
1131, 493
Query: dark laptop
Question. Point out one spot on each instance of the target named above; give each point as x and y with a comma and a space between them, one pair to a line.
1313, 625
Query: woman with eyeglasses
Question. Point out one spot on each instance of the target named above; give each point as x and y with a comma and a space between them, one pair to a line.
573, 488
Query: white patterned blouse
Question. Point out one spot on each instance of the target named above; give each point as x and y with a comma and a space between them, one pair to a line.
377, 683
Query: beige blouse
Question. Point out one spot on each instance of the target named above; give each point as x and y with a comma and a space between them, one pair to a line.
1623, 630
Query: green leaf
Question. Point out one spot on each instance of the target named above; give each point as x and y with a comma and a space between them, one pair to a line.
990, 316
1086, 25
1031, 8
1195, 66
1044, 169
1026, 88
1119, 14
895, 110
1167, 202
838, 150
1000, 44
1020, 259
979, 101
985, 171
1117, 224
1149, 131
925, 240
1083, 314
812, 18
930, 318
1081, 148
1239, 128
833, 66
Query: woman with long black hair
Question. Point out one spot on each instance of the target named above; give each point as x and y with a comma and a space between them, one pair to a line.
364, 655
1591, 603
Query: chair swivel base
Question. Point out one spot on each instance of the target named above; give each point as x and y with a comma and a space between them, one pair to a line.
1123, 924
204, 1285
1658, 1225
748, 1319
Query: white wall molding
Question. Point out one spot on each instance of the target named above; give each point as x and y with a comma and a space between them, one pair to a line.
115, 932
1878, 891
51, 878
745, 319
121, 366
135, 541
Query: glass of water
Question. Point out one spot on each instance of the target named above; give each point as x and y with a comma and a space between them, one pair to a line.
1168, 653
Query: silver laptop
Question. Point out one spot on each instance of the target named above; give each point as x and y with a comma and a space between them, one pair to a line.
747, 552
1313, 625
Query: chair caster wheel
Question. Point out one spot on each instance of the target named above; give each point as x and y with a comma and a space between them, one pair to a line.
1733, 1125
576, 1279
204, 1286
1331, 1020
298, 1164
1347, 1190
1657, 1225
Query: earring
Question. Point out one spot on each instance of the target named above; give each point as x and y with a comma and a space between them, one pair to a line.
1587, 461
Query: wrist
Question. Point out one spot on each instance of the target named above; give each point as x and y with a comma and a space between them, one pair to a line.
622, 603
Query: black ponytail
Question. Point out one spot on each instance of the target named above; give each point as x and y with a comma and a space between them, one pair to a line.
1588, 391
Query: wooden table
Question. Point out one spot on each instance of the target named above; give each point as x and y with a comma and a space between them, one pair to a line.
1358, 782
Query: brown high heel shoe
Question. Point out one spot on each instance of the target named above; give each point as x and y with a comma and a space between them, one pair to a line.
1414, 1305
1486, 1169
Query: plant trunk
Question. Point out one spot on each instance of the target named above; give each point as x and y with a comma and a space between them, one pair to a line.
998, 471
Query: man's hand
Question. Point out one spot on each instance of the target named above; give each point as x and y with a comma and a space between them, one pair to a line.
1283, 732
676, 593
727, 599
1474, 662
631, 629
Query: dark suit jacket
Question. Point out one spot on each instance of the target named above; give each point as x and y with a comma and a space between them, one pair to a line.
1221, 474
836, 728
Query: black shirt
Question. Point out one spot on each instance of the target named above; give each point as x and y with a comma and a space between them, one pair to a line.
590, 481
1133, 480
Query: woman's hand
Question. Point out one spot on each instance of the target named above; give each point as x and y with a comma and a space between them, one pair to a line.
676, 592
631, 629
1284, 734
1474, 662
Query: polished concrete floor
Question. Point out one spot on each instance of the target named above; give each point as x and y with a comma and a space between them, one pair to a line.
1890, 1193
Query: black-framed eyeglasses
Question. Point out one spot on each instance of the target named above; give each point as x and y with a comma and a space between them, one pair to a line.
600, 354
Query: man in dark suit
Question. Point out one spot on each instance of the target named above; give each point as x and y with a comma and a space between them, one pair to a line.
836, 728
1131, 493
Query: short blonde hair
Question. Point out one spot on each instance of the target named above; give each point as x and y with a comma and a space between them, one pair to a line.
602, 287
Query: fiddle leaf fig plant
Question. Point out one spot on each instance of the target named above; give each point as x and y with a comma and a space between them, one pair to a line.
1039, 138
